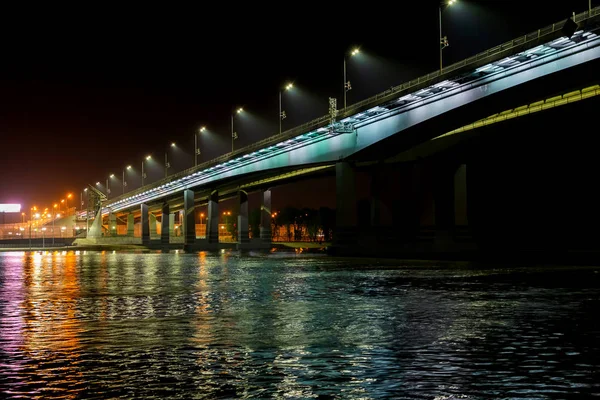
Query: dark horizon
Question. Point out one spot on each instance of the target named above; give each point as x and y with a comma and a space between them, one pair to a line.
81, 101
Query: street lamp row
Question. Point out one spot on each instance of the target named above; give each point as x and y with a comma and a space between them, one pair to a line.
282, 114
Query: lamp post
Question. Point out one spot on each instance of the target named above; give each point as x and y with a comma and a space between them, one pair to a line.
234, 135
282, 115
107, 184
196, 148
347, 85
143, 173
167, 164
443, 39
23, 218
124, 182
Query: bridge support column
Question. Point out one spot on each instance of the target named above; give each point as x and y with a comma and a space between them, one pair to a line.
166, 224
265, 217
130, 225
189, 223
181, 222
243, 218
145, 225
345, 236
212, 218
171, 224
112, 224
153, 225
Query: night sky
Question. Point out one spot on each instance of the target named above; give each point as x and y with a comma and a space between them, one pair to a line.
83, 93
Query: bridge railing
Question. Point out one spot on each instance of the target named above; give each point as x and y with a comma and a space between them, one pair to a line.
371, 101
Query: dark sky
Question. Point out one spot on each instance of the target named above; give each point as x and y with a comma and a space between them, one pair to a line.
85, 92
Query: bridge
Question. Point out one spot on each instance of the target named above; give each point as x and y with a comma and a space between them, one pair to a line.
370, 132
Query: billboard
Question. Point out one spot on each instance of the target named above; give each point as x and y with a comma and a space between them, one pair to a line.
10, 208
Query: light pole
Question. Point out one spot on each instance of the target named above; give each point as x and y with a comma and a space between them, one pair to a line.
124, 182
196, 148
31, 210
143, 174
443, 39
347, 85
167, 165
23, 217
234, 135
107, 184
69, 195
282, 115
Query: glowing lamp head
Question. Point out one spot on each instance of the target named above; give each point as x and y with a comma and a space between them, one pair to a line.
173, 144
129, 167
289, 86
239, 110
112, 176
148, 157
202, 129
69, 196
354, 52
97, 184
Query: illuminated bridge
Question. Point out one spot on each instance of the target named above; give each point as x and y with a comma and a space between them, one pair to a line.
370, 131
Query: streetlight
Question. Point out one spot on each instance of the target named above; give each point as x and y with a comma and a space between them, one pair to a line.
196, 149
167, 165
443, 39
23, 217
124, 181
63, 200
107, 184
143, 174
347, 85
201, 217
234, 135
282, 115
31, 210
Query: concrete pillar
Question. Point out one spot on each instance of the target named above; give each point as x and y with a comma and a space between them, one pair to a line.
243, 218
152, 223
265, 217
112, 224
181, 222
346, 207
145, 225
166, 224
171, 224
460, 196
130, 225
189, 224
212, 218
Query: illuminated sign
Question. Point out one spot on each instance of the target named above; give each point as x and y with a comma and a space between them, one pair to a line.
10, 208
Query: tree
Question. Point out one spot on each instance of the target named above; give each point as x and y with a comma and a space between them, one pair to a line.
287, 218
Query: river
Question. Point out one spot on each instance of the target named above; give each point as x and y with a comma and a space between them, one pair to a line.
293, 325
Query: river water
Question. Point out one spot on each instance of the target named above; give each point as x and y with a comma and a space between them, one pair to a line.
294, 326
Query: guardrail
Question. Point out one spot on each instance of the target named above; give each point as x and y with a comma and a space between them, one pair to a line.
371, 101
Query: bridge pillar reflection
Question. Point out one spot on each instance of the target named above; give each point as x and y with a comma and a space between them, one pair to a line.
166, 224
130, 224
265, 217
145, 224
189, 222
346, 229
212, 219
243, 218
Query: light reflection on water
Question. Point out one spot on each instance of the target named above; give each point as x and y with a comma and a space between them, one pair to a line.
220, 325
